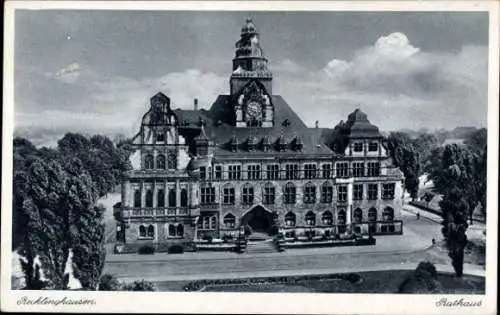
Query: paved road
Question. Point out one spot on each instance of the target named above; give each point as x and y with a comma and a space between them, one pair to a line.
391, 252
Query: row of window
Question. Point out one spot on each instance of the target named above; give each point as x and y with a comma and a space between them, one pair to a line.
359, 147
160, 198
171, 161
292, 171
290, 193
229, 220
174, 231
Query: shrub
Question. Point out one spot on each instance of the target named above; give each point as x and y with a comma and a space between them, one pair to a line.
141, 285
109, 283
423, 280
352, 277
146, 250
207, 237
248, 230
227, 237
273, 230
176, 249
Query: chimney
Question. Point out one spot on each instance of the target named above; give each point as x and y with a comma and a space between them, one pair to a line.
195, 104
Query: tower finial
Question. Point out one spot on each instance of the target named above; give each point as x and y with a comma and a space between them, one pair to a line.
249, 19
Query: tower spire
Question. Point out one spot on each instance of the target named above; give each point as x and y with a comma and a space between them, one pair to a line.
249, 61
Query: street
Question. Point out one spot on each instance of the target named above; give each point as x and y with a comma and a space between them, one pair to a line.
391, 252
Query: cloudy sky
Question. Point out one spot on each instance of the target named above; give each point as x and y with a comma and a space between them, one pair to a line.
94, 71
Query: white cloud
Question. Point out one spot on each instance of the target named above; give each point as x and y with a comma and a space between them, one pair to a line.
397, 84
68, 74
118, 104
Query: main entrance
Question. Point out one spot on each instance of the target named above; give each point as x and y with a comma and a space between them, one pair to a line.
258, 219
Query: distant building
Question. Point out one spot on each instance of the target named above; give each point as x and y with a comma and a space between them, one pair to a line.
250, 161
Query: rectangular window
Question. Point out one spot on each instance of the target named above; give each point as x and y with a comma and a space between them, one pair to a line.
292, 171
357, 147
373, 146
326, 193
373, 169
388, 191
310, 171
273, 171
234, 172
342, 193
207, 195
253, 171
269, 195
218, 172
228, 195
358, 192
247, 195
310, 194
326, 170
290, 194
343, 169
358, 169
372, 191
203, 172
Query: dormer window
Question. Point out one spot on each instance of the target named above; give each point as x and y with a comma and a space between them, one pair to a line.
233, 145
373, 146
160, 136
282, 144
358, 147
298, 144
251, 143
266, 144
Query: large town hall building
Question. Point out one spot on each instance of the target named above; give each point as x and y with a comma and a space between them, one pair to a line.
250, 161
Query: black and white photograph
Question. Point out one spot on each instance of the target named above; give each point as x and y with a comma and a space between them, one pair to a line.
203, 151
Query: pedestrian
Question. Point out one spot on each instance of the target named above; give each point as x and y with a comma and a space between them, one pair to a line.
418, 215
433, 241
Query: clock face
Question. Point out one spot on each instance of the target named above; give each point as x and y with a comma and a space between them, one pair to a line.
253, 109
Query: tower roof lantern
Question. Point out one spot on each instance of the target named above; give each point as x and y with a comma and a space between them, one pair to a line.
248, 27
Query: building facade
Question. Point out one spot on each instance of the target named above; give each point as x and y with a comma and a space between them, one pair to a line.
250, 161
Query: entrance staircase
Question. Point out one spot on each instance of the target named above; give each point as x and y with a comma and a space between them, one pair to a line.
260, 243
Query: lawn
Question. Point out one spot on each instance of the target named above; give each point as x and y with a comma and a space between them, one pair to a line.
370, 282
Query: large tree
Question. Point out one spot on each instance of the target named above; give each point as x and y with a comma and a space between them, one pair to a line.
406, 157
54, 207
453, 179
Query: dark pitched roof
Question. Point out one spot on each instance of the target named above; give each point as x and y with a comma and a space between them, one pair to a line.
358, 126
219, 127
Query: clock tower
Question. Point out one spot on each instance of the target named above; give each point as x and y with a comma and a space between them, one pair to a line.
251, 81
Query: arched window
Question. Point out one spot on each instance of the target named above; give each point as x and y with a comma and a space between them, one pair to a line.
160, 162
228, 194
327, 218
171, 198
290, 193
341, 217
326, 192
247, 194
269, 194
309, 193
149, 198
372, 214
290, 219
171, 230
160, 197
137, 198
388, 214
229, 221
358, 215
142, 231
184, 197
151, 231
148, 162
180, 230
172, 161
310, 218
